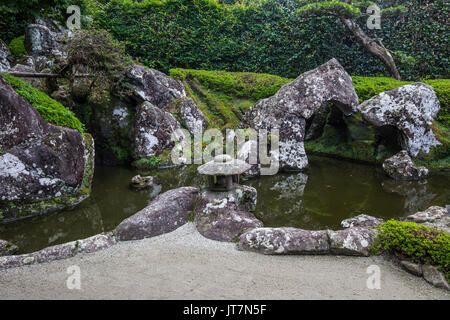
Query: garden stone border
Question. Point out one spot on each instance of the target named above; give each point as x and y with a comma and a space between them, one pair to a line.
355, 239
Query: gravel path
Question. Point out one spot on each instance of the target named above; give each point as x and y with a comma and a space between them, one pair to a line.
184, 265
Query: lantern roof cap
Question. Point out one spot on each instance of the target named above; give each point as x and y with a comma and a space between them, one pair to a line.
223, 165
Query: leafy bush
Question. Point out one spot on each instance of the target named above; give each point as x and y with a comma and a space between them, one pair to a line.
257, 86
269, 37
147, 163
240, 84
51, 110
419, 243
17, 47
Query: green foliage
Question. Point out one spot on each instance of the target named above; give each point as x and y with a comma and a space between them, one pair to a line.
17, 47
240, 84
419, 243
122, 153
269, 37
332, 8
103, 56
254, 86
51, 110
147, 163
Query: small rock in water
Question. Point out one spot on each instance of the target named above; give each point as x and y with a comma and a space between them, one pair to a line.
7, 248
140, 182
401, 167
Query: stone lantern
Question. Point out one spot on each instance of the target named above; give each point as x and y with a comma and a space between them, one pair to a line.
223, 172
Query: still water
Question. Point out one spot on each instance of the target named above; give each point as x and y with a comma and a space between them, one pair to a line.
330, 191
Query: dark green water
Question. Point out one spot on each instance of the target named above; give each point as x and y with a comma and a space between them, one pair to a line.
330, 191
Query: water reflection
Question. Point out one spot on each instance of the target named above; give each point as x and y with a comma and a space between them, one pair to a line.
327, 193
415, 193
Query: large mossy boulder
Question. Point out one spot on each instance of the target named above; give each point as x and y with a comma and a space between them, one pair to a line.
309, 95
411, 109
401, 167
153, 131
166, 213
5, 57
224, 216
43, 167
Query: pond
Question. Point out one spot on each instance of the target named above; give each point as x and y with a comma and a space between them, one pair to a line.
328, 192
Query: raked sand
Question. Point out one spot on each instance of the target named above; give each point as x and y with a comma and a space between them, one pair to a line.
184, 265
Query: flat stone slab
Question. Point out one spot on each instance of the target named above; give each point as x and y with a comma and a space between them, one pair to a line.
60, 251
225, 225
433, 276
7, 248
273, 241
363, 220
224, 216
165, 213
352, 241
435, 217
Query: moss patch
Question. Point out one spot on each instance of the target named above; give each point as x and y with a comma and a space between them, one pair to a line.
17, 47
51, 110
256, 86
419, 243
17, 210
147, 163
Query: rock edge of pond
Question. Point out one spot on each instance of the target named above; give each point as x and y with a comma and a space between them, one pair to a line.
176, 207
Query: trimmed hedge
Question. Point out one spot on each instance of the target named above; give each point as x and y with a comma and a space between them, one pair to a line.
17, 47
419, 243
240, 84
51, 110
269, 37
257, 86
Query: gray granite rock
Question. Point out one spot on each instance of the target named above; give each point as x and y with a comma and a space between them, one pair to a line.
5, 57
39, 161
154, 86
153, 131
433, 276
166, 213
411, 267
60, 251
224, 216
401, 167
7, 248
352, 241
96, 243
411, 109
277, 241
297, 101
363, 221
436, 217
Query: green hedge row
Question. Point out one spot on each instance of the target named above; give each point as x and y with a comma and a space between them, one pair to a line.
421, 244
268, 37
259, 86
51, 110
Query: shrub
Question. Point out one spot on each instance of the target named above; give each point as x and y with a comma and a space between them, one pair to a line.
240, 84
17, 47
419, 243
257, 86
104, 58
268, 36
51, 110
147, 163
